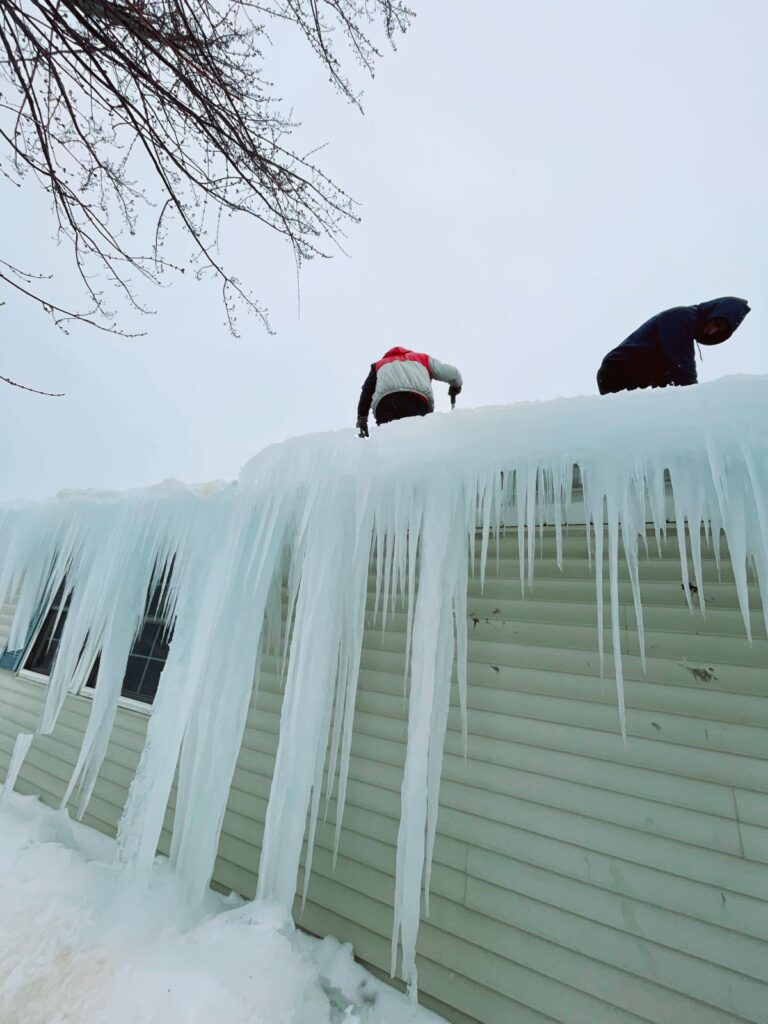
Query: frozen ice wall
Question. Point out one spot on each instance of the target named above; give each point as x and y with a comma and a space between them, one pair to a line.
284, 556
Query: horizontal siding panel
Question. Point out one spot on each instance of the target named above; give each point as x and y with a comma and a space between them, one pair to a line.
596, 991
509, 797
590, 800
734, 650
541, 866
712, 902
709, 831
643, 781
541, 898
751, 807
575, 566
720, 870
577, 624
708, 734
755, 842
643, 959
564, 592
696, 702
704, 765
670, 614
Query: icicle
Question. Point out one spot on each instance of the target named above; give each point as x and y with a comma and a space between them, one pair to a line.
20, 750
631, 527
613, 576
442, 547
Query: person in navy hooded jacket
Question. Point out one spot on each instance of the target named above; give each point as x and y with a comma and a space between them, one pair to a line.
660, 353
400, 385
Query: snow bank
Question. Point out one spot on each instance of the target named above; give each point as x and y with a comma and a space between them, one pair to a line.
76, 944
311, 514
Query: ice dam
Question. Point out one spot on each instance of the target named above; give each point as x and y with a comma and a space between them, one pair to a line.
281, 560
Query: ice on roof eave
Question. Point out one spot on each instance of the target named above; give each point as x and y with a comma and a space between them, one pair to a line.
313, 511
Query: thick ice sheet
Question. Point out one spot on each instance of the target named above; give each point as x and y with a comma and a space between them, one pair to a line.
289, 548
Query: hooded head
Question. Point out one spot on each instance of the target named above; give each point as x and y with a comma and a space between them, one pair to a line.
719, 318
397, 351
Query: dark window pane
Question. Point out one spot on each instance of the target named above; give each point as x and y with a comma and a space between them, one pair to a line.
43, 651
41, 656
144, 642
154, 603
133, 675
93, 674
150, 680
161, 644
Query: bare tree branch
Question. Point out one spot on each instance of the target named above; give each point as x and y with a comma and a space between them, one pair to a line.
35, 391
137, 117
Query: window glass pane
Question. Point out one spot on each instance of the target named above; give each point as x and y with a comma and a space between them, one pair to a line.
133, 675
41, 656
149, 652
160, 646
145, 662
142, 645
149, 682
42, 653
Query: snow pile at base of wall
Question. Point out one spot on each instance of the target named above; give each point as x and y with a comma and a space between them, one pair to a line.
77, 945
310, 516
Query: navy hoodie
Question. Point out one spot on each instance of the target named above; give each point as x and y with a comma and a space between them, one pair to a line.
661, 352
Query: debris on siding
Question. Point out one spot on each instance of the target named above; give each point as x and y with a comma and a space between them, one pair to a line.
701, 673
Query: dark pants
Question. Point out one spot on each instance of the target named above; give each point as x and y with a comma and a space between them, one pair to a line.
399, 405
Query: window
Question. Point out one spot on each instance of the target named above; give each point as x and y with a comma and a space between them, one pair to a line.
148, 654
145, 662
43, 651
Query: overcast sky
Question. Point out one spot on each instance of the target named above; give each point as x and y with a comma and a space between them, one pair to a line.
535, 178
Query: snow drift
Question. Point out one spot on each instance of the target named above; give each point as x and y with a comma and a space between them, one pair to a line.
311, 518
77, 945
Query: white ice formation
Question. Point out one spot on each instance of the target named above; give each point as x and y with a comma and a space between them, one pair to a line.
314, 516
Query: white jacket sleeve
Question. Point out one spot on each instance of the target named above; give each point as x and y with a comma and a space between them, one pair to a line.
445, 372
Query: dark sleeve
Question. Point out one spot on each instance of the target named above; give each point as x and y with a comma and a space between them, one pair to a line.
366, 395
677, 359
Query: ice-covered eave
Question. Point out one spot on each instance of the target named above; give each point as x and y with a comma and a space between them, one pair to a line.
316, 512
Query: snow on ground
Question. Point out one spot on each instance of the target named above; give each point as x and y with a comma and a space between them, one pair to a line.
79, 947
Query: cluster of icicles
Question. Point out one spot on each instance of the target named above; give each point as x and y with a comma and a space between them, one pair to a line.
314, 517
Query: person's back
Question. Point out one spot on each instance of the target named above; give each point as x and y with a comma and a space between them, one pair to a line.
660, 353
400, 385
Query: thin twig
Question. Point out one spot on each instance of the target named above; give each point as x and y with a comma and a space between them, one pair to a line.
35, 391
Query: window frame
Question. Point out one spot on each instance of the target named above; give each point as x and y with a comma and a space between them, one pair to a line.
88, 692
27, 673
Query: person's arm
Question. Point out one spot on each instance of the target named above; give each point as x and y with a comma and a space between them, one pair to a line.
446, 373
366, 397
677, 359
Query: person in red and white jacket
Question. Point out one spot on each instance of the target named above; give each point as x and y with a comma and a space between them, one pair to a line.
400, 385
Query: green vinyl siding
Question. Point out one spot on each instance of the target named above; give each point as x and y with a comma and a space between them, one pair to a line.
575, 880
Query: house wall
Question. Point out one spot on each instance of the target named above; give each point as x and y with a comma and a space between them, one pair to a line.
574, 880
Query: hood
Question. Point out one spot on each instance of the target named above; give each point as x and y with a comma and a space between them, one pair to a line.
398, 350
728, 307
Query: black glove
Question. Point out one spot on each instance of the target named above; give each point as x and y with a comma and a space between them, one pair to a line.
362, 426
453, 390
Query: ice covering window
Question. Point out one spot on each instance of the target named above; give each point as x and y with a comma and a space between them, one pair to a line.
42, 653
145, 662
148, 654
